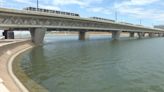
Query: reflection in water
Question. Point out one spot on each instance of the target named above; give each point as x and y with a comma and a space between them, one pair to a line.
97, 65
38, 64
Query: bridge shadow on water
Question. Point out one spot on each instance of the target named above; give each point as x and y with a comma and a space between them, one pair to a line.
50, 39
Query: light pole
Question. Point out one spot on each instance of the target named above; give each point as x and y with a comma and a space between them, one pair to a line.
116, 16
140, 21
37, 5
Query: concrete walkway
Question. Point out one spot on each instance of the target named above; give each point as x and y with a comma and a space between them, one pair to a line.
7, 50
3, 87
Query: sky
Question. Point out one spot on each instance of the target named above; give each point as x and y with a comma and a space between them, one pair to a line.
149, 12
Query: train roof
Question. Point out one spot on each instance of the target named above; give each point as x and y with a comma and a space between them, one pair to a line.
50, 11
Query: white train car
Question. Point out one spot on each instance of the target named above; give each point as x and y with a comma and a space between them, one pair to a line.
103, 19
51, 11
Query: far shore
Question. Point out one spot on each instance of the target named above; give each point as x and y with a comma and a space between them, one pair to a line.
88, 33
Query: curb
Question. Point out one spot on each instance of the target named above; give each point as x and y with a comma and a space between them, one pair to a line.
1, 81
15, 79
3, 87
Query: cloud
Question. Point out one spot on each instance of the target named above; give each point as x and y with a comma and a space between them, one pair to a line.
76, 2
142, 2
140, 9
23, 1
49, 7
41, 5
102, 10
135, 3
68, 2
56, 4
2, 2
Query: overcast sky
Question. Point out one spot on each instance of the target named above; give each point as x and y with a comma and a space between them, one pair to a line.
151, 12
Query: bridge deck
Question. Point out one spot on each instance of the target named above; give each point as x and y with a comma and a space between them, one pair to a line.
11, 18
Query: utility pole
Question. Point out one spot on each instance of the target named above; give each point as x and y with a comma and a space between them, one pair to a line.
116, 15
140, 21
152, 24
37, 5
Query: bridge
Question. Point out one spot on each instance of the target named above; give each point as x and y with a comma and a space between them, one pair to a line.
39, 22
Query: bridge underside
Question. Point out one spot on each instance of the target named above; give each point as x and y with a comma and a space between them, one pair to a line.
37, 34
38, 23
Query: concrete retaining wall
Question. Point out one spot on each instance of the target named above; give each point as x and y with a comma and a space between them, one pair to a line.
6, 52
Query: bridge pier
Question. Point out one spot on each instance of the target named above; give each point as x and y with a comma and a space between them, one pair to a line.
160, 35
151, 34
8, 34
131, 34
82, 35
37, 35
116, 35
141, 35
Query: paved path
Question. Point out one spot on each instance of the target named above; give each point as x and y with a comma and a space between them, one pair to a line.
3, 87
6, 51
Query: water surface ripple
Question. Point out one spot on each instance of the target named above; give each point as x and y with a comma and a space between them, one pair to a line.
65, 64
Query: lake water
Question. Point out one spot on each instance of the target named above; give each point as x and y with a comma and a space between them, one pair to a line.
65, 64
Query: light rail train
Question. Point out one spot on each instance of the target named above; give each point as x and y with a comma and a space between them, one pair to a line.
51, 11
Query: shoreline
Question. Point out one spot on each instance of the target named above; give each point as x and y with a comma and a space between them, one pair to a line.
11, 72
7, 56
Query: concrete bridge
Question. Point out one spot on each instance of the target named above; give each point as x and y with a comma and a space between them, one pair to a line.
38, 23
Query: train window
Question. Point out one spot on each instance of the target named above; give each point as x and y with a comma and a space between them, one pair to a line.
33, 9
62, 12
72, 14
65, 13
57, 12
51, 11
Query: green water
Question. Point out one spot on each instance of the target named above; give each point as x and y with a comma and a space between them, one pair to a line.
65, 64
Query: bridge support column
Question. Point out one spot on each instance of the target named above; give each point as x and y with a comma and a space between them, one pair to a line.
8, 34
37, 35
151, 35
116, 35
160, 35
82, 35
131, 34
141, 34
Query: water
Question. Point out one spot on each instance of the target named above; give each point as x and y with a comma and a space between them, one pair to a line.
65, 64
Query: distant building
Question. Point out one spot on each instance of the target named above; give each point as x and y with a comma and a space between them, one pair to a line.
159, 26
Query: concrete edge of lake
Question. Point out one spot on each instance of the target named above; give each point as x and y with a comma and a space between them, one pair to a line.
8, 53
